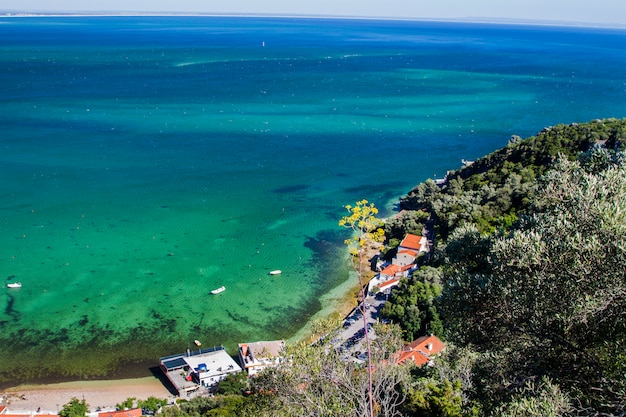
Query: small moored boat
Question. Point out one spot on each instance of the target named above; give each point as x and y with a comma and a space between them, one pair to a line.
218, 290
15, 285
276, 272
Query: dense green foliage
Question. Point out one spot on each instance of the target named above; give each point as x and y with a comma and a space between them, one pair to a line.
151, 404
412, 304
233, 384
494, 190
410, 221
128, 403
532, 246
223, 405
318, 381
432, 398
551, 292
75, 408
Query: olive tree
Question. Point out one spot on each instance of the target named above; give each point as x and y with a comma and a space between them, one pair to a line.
551, 294
318, 380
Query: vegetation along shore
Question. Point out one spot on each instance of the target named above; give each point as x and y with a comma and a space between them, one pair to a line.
525, 283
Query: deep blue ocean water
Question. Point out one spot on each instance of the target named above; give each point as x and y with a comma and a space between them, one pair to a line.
147, 160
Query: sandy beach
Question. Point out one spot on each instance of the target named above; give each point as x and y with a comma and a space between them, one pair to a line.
50, 398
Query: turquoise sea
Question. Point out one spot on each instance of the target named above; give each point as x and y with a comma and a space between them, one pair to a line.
145, 161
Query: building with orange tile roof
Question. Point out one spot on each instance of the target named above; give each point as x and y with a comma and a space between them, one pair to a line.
388, 284
395, 271
389, 277
135, 412
413, 242
421, 350
405, 257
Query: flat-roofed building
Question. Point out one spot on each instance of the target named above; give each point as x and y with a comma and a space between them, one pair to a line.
193, 369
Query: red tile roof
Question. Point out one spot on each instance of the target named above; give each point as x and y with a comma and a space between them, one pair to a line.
421, 350
411, 242
135, 412
418, 357
390, 270
394, 269
430, 344
409, 252
388, 283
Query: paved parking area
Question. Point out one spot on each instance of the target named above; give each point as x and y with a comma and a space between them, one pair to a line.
351, 338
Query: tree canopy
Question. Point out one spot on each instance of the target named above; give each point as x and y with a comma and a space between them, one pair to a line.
531, 243
552, 290
75, 408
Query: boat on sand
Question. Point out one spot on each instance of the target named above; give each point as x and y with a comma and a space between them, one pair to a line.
218, 290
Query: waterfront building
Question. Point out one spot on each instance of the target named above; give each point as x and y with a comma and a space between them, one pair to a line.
203, 367
256, 356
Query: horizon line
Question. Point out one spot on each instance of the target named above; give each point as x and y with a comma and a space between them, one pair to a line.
468, 19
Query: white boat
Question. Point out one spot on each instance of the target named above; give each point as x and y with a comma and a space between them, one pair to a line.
15, 285
218, 290
276, 272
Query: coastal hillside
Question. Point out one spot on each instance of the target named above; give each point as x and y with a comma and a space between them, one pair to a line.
531, 251
493, 191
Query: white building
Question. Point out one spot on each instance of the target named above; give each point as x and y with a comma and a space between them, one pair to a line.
410, 248
193, 369
257, 356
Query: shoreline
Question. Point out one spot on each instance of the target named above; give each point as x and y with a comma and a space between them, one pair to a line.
49, 398
103, 394
338, 303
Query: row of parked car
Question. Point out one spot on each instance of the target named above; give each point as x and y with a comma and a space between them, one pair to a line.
357, 337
